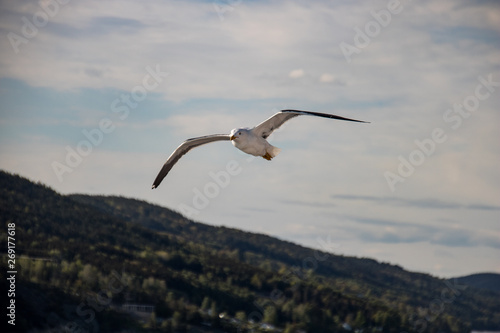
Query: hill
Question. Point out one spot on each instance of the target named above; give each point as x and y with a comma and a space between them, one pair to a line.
486, 281
84, 262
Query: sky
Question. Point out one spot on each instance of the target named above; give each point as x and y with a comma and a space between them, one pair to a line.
95, 95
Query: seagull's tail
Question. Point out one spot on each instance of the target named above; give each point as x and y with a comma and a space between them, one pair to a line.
274, 151
271, 152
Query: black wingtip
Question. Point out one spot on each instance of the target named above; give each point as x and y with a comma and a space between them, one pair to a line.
355, 120
325, 115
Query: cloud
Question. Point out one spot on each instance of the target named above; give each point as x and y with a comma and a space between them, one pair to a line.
418, 203
389, 231
296, 74
326, 78
255, 40
309, 204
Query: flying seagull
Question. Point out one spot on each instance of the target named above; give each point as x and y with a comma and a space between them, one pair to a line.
249, 140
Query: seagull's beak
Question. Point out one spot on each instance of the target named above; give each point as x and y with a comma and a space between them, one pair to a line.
232, 137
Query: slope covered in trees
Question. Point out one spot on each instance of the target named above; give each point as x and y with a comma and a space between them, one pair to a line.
486, 281
81, 258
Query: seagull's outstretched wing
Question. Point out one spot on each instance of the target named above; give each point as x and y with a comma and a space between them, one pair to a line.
183, 149
265, 128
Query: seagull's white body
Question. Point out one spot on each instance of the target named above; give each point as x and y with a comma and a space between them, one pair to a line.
247, 141
251, 141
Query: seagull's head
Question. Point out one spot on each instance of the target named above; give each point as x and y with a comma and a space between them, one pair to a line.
238, 133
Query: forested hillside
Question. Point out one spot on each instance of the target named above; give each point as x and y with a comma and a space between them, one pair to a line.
486, 281
81, 260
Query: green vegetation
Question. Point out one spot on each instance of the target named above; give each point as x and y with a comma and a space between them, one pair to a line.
80, 259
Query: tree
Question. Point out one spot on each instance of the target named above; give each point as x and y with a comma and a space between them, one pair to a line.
360, 320
166, 326
39, 271
213, 310
256, 281
176, 320
152, 320
88, 275
270, 315
205, 305
241, 316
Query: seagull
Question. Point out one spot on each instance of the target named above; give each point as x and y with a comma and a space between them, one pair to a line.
249, 140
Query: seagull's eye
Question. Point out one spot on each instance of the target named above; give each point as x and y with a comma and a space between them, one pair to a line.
239, 133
